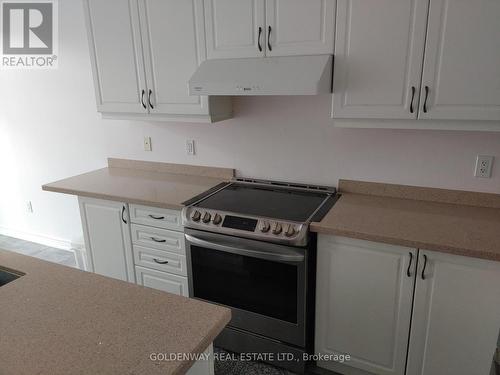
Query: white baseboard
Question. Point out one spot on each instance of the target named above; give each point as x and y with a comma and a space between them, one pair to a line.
42, 239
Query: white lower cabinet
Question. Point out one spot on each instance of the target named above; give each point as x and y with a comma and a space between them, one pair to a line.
363, 303
167, 282
106, 231
365, 293
121, 246
160, 260
456, 315
159, 253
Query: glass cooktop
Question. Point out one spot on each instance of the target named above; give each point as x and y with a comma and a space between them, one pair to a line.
271, 202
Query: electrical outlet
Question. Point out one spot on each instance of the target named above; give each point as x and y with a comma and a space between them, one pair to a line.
29, 207
190, 150
147, 144
484, 164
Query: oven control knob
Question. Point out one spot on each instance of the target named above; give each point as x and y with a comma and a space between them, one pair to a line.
265, 227
289, 231
217, 219
196, 216
277, 228
206, 217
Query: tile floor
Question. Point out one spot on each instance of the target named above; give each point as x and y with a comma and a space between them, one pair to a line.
50, 254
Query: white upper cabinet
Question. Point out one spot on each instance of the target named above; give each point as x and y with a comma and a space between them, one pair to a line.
363, 304
257, 28
378, 58
462, 61
234, 28
116, 55
456, 315
172, 53
298, 27
143, 53
418, 59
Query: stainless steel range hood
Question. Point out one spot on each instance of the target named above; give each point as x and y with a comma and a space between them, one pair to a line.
290, 75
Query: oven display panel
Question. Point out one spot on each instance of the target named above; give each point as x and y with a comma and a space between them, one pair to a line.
241, 223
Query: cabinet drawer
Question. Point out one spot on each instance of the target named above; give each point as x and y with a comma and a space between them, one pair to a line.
167, 282
160, 260
156, 217
157, 238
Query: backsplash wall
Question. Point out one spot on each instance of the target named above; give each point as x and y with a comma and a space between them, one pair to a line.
49, 129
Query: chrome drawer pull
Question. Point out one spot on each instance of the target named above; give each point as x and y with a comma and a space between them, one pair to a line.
160, 261
157, 217
157, 240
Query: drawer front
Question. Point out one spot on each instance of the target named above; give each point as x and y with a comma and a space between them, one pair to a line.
166, 282
160, 260
156, 217
157, 238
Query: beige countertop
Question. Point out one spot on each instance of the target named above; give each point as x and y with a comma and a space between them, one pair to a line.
59, 320
463, 229
151, 184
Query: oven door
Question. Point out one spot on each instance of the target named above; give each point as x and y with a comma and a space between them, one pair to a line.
263, 284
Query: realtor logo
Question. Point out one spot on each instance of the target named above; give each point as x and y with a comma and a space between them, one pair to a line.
29, 34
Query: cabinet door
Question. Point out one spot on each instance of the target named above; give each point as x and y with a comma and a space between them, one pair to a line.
462, 61
174, 46
456, 315
116, 55
363, 303
162, 281
298, 27
107, 238
378, 58
233, 28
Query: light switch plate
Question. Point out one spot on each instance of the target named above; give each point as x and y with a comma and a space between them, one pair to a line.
484, 164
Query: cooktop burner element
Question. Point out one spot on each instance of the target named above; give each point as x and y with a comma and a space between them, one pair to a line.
264, 210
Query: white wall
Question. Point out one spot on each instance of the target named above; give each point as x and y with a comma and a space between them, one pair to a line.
49, 129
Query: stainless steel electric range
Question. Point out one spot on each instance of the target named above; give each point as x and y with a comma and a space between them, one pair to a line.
249, 248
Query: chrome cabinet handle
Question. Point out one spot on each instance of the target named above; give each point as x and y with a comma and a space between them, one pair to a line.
413, 89
157, 240
426, 97
123, 212
142, 99
408, 273
269, 29
160, 261
423, 269
149, 99
157, 217
259, 39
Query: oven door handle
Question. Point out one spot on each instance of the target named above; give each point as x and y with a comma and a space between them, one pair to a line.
281, 256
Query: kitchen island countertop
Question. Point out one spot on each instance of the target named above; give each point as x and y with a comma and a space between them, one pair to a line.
59, 320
